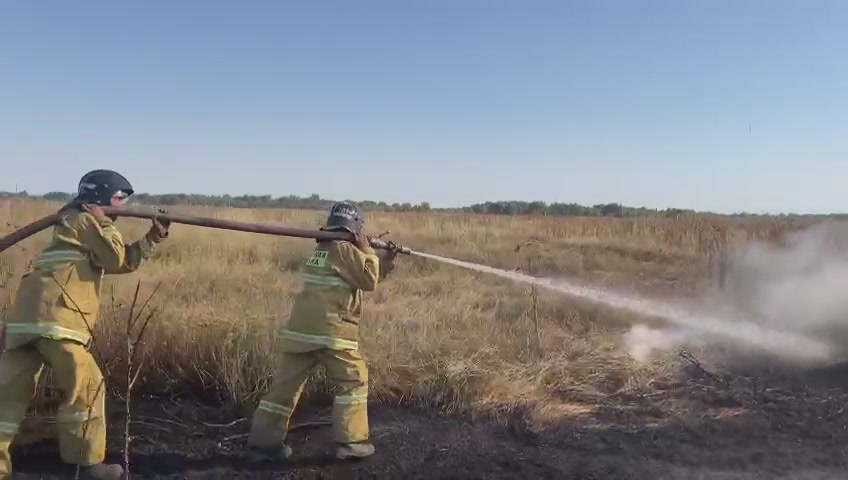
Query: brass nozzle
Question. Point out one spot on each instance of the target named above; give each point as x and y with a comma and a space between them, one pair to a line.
384, 245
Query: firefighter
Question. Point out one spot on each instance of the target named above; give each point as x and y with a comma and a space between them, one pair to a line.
323, 329
55, 308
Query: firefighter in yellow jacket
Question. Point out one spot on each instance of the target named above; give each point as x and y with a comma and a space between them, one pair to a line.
56, 306
324, 329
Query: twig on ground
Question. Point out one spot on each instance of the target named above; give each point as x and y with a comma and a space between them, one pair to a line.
224, 425
234, 437
297, 426
165, 420
689, 357
319, 423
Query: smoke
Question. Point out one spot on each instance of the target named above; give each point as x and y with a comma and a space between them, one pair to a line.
800, 288
691, 324
642, 341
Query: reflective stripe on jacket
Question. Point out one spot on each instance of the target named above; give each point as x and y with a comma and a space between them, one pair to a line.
59, 296
326, 312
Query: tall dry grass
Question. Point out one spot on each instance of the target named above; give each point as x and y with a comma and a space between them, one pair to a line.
434, 335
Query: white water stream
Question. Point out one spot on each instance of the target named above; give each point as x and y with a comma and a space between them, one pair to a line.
732, 329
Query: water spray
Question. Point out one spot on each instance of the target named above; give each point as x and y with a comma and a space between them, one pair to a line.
731, 329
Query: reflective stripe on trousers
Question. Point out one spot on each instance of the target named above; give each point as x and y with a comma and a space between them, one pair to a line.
357, 397
48, 330
346, 371
9, 429
325, 340
274, 408
80, 423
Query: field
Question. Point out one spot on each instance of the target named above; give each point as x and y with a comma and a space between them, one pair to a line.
471, 376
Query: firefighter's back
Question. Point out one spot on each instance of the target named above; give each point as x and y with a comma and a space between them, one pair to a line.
326, 311
59, 296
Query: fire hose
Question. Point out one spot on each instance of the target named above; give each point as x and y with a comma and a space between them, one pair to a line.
29, 230
39, 225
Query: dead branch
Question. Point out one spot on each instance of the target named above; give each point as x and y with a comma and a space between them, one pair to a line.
689, 357
224, 425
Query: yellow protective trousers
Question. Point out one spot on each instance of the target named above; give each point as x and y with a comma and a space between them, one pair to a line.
80, 419
346, 369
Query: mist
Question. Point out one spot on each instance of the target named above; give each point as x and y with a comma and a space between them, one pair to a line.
799, 288
690, 322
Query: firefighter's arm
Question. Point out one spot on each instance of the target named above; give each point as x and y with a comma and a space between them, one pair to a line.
141, 249
360, 268
136, 253
104, 242
107, 247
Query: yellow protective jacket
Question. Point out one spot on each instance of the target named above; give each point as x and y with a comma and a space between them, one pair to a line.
327, 310
59, 296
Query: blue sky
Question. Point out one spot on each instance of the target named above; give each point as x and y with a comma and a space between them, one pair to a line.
718, 105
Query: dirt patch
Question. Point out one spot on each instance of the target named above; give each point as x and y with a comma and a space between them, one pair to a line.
707, 427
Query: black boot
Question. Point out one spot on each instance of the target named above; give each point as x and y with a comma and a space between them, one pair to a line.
101, 471
259, 455
356, 450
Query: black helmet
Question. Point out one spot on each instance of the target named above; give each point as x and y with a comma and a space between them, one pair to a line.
99, 186
344, 216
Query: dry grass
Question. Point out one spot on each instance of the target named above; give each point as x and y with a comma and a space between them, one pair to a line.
434, 335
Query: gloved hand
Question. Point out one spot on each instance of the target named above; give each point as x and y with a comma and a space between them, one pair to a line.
159, 230
392, 250
360, 240
95, 210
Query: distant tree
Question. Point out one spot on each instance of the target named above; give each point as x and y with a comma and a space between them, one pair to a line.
503, 207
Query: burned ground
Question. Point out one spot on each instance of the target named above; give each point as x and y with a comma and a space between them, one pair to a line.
710, 426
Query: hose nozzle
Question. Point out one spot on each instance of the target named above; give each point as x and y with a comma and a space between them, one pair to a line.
391, 246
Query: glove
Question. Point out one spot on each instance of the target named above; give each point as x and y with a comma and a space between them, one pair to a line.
96, 211
361, 241
159, 230
392, 250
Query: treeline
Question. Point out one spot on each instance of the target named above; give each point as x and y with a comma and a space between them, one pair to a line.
312, 202
615, 210
315, 202
572, 209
